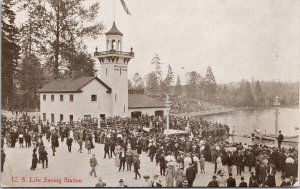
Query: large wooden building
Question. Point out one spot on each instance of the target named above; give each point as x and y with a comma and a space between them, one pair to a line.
104, 95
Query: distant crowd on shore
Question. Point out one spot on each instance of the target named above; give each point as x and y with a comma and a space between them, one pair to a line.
180, 158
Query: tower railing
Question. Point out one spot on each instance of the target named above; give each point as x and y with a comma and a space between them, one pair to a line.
113, 52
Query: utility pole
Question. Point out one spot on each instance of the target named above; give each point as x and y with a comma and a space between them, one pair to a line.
276, 104
168, 105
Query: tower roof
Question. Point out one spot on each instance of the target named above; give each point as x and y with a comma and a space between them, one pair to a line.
114, 30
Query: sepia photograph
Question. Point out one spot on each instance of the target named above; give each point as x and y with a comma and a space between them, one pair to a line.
150, 93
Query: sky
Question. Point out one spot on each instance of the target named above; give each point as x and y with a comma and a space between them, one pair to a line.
257, 39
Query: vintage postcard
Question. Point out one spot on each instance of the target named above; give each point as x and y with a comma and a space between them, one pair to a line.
150, 93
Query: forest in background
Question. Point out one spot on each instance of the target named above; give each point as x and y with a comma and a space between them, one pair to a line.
49, 44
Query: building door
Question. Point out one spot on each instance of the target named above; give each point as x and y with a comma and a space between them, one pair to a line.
102, 116
159, 113
136, 114
52, 117
87, 117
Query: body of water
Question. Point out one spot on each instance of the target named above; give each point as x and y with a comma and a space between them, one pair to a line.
245, 121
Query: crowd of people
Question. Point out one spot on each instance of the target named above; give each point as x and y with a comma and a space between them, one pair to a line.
180, 157
187, 105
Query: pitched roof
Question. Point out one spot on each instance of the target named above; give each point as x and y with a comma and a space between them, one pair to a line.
114, 30
143, 101
70, 85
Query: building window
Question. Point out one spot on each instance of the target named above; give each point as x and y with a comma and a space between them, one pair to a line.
52, 117
71, 118
61, 117
61, 97
44, 117
44, 97
52, 97
71, 98
94, 98
115, 97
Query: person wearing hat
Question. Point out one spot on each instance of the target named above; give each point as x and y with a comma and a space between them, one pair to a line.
190, 175
156, 183
136, 166
122, 183
44, 156
93, 164
179, 176
243, 183
162, 164
3, 156
100, 184
280, 139
214, 183
147, 182
170, 174
231, 181
202, 163
185, 183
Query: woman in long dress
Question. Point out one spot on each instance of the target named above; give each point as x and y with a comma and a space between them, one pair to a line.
219, 163
179, 176
170, 174
117, 157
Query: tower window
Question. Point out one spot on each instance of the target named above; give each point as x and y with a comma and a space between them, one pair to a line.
124, 108
44, 97
61, 97
61, 117
106, 71
120, 71
115, 97
94, 98
52, 97
71, 118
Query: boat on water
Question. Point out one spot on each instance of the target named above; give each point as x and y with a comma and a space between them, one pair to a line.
265, 136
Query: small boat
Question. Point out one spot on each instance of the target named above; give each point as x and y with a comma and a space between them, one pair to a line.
273, 137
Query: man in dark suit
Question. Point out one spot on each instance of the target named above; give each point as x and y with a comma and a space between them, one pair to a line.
106, 149
280, 139
190, 175
229, 162
122, 159
162, 165
243, 183
69, 143
231, 181
214, 183
44, 156
283, 183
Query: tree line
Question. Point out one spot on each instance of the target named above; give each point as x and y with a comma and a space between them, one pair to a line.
204, 87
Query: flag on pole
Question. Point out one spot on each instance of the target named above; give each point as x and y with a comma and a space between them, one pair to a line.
125, 7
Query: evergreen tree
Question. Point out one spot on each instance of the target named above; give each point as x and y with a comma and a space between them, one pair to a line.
32, 31
178, 87
192, 84
258, 95
138, 82
209, 85
169, 79
152, 84
157, 63
68, 22
249, 96
30, 78
10, 53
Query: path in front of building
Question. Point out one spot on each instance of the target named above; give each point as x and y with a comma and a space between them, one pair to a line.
76, 165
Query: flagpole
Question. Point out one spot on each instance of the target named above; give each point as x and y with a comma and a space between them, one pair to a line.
114, 10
